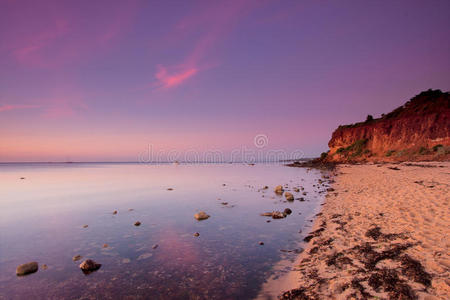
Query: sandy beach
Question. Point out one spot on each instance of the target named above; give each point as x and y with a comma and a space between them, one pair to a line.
382, 233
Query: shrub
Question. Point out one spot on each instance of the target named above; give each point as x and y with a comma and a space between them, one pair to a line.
390, 152
340, 150
323, 155
423, 150
436, 147
369, 118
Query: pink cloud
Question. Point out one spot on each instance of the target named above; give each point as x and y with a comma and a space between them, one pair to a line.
7, 107
170, 80
216, 21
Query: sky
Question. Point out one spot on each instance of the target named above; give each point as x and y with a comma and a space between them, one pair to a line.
117, 80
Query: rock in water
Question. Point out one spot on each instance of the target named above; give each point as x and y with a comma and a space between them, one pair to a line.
89, 266
115, 212
201, 216
27, 268
274, 215
278, 215
289, 196
279, 189
76, 257
287, 211
297, 190
196, 234
137, 223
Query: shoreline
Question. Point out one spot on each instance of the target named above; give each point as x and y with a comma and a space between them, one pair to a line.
381, 232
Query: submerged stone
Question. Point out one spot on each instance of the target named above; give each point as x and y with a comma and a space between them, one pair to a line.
76, 257
89, 265
27, 268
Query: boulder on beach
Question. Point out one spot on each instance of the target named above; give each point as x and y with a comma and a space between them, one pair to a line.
89, 265
289, 196
279, 189
27, 268
201, 216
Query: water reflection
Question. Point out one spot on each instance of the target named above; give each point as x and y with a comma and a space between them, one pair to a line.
42, 218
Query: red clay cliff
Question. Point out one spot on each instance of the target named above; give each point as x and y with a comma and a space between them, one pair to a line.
418, 130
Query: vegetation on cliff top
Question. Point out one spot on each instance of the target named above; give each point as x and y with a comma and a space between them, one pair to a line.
426, 102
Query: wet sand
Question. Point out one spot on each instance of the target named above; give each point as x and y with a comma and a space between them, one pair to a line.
383, 232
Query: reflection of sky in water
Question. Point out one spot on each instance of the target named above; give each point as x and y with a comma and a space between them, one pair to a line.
41, 219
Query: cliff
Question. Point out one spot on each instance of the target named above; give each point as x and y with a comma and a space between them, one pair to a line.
418, 130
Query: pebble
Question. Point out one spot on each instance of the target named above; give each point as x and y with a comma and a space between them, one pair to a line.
279, 189
201, 216
76, 257
289, 196
27, 268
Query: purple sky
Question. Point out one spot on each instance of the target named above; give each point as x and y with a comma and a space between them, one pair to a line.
102, 80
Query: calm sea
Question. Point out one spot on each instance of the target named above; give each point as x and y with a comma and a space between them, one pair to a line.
42, 217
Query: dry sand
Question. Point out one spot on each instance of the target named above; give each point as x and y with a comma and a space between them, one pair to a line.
382, 234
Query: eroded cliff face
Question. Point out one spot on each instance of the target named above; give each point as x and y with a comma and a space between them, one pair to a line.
418, 130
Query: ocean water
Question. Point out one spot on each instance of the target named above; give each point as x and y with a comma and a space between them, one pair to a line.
42, 218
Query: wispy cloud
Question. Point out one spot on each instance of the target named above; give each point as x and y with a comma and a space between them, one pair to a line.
62, 106
215, 21
59, 37
7, 107
167, 80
